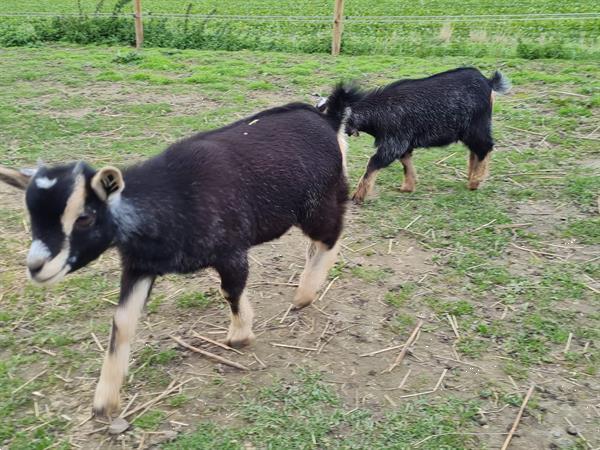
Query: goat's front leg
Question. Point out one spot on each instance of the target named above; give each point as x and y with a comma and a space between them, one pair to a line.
234, 273
386, 154
134, 292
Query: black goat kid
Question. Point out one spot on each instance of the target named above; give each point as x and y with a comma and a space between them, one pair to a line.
202, 203
429, 112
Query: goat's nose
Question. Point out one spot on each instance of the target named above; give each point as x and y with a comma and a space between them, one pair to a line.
35, 267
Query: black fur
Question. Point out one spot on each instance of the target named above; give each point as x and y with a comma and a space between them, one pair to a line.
429, 112
208, 198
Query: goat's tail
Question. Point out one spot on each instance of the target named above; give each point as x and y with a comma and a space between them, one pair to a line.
500, 83
339, 103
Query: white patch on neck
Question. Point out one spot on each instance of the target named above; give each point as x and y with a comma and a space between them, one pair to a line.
45, 182
125, 215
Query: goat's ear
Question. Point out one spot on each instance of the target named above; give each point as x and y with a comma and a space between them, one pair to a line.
322, 104
17, 178
107, 182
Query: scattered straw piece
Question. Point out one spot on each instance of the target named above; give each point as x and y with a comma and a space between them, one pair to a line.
392, 402
295, 347
536, 252
217, 343
412, 222
483, 226
326, 289
387, 349
128, 405
568, 345
439, 383
258, 360
287, 311
208, 354
97, 341
518, 418
409, 342
591, 288
422, 441
146, 406
32, 379
403, 382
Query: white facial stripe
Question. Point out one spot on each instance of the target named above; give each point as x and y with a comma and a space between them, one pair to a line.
38, 253
75, 205
45, 182
54, 270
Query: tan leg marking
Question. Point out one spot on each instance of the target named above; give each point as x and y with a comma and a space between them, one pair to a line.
240, 329
365, 187
410, 175
114, 369
343, 143
319, 259
471, 164
479, 171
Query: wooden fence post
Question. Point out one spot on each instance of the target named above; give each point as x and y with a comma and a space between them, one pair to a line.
338, 27
139, 26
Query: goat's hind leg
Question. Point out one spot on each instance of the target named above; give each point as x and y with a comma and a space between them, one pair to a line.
479, 160
324, 231
410, 174
234, 274
320, 257
134, 293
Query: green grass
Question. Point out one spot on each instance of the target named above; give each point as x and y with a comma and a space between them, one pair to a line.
108, 106
307, 414
198, 300
531, 39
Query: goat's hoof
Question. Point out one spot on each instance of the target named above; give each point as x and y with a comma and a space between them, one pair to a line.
303, 300
406, 188
106, 401
358, 199
104, 411
298, 305
239, 342
474, 185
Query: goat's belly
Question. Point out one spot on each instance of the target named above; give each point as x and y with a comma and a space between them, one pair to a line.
271, 229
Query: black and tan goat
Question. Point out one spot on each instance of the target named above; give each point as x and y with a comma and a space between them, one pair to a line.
429, 112
201, 203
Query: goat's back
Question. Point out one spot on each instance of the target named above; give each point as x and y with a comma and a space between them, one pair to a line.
242, 184
448, 101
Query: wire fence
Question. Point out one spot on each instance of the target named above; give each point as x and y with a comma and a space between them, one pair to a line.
327, 19
416, 27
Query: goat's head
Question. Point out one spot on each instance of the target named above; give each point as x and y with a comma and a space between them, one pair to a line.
70, 216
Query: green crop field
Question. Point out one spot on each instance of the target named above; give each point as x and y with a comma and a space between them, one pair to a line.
506, 279
315, 7
528, 28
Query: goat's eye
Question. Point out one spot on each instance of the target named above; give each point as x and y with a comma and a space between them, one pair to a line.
85, 220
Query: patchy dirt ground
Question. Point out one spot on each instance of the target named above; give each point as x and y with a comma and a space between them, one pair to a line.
346, 335
494, 322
